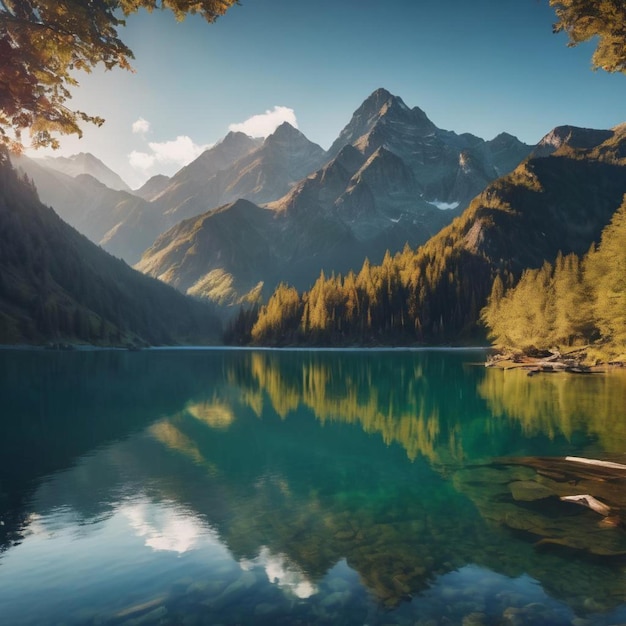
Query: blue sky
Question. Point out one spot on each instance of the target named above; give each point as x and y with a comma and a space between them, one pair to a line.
483, 67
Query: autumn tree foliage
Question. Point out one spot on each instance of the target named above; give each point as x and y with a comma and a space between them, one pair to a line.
43, 43
432, 295
575, 302
583, 20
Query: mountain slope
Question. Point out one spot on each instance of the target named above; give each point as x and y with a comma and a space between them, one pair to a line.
560, 202
547, 204
86, 163
259, 173
229, 253
102, 214
577, 302
56, 285
193, 180
238, 167
371, 196
153, 187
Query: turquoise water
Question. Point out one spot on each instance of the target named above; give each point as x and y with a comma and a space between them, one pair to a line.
329, 487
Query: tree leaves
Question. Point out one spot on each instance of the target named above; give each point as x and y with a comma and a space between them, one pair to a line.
43, 43
583, 20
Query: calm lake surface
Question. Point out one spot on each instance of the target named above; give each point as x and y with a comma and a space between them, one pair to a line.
215, 487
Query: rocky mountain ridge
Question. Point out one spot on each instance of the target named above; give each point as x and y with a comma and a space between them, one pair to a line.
375, 193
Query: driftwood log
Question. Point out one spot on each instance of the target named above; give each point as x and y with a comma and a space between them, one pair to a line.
543, 361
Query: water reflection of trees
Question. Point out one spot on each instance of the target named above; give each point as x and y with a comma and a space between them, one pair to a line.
408, 399
561, 404
317, 495
435, 408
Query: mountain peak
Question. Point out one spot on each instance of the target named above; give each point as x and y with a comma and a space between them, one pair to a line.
382, 102
232, 147
285, 131
572, 136
382, 109
235, 137
153, 187
86, 163
380, 96
287, 136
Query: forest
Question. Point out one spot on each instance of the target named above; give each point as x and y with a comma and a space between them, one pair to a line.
578, 301
575, 302
57, 287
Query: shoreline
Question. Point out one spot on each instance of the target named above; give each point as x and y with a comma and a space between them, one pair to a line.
550, 363
93, 348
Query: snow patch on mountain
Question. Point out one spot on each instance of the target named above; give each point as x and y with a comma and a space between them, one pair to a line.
444, 206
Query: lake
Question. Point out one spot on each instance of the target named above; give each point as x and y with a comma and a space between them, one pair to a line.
192, 487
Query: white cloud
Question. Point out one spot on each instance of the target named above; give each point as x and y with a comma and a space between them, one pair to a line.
164, 527
179, 152
266, 123
141, 126
141, 160
282, 573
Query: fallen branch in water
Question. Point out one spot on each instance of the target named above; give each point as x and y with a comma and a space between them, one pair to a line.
590, 502
596, 462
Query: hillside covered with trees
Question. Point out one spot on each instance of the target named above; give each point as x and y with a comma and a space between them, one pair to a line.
55, 285
558, 200
571, 303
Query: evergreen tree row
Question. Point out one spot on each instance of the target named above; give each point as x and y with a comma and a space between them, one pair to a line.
575, 302
412, 297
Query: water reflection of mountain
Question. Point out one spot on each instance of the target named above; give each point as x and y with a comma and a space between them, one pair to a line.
57, 406
310, 459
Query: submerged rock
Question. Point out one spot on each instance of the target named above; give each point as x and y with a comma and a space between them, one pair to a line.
475, 619
529, 491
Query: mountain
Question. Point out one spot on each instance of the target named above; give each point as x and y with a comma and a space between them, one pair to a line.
86, 163
448, 168
382, 110
55, 285
239, 167
377, 198
95, 210
393, 178
228, 254
153, 187
403, 180
198, 179
555, 203
571, 137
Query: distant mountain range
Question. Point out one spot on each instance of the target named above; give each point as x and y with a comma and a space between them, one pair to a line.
56, 285
391, 177
85, 163
287, 210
